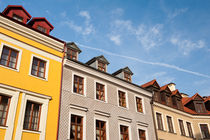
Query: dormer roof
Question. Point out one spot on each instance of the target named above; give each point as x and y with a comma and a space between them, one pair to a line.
194, 97
126, 69
100, 58
11, 7
153, 83
176, 92
165, 88
73, 46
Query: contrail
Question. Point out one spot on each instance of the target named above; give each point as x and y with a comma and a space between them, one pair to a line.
146, 62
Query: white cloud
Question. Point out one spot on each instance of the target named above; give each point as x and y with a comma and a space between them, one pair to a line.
186, 46
85, 14
177, 12
73, 26
116, 39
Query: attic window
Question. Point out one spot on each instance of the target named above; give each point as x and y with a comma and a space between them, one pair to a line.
18, 18
127, 77
101, 66
200, 108
42, 29
71, 54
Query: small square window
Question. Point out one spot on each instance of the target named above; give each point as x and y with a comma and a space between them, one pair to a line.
78, 85
71, 54
9, 57
18, 18
100, 92
139, 105
122, 98
32, 116
127, 76
38, 67
4, 109
101, 66
42, 29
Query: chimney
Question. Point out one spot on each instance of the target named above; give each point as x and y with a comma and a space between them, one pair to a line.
184, 95
172, 86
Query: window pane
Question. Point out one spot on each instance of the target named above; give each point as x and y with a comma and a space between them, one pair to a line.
76, 127
38, 67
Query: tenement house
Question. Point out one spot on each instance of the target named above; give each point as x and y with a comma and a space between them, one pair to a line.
102, 106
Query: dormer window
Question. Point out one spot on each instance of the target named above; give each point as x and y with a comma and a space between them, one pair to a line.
127, 77
18, 18
42, 29
200, 108
72, 54
101, 66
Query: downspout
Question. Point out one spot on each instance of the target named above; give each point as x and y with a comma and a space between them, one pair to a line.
59, 110
153, 115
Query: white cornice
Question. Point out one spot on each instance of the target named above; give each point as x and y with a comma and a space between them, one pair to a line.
31, 34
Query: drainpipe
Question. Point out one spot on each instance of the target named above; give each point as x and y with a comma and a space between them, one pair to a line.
153, 115
59, 110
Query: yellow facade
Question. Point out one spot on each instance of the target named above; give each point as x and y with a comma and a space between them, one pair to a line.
26, 87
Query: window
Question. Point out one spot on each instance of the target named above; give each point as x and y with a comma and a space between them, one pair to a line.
38, 67
9, 57
18, 18
124, 135
76, 130
32, 116
181, 125
127, 77
71, 54
42, 29
204, 131
159, 121
189, 127
139, 104
142, 135
100, 92
122, 98
101, 66
100, 130
200, 108
174, 101
4, 109
163, 97
170, 124
78, 84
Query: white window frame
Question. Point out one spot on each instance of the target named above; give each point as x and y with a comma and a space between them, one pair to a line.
43, 116
191, 127
200, 129
163, 121
12, 111
101, 118
129, 129
46, 67
184, 124
143, 107
84, 82
172, 119
19, 56
105, 88
143, 128
78, 113
126, 96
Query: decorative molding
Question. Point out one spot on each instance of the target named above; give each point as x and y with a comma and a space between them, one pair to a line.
142, 124
97, 112
77, 107
124, 119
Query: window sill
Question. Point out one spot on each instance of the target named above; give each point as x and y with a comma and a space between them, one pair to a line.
78, 94
17, 70
101, 101
32, 131
172, 133
3, 127
126, 108
142, 113
44, 79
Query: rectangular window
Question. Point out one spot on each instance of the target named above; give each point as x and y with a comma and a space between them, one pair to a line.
4, 109
9, 57
181, 125
42, 29
189, 127
139, 104
159, 121
124, 135
18, 18
205, 131
32, 116
78, 84
127, 77
200, 107
142, 135
170, 124
76, 130
71, 54
100, 130
38, 67
100, 92
122, 98
101, 66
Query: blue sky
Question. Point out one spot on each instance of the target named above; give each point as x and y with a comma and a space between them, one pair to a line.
164, 40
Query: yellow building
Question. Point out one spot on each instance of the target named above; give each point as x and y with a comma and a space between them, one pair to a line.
30, 76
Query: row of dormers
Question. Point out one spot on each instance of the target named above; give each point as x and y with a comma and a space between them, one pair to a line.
18, 13
99, 62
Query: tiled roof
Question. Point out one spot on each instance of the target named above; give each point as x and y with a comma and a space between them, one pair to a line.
149, 83
207, 99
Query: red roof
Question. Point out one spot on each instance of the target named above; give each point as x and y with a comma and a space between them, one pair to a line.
165, 87
40, 19
150, 84
176, 92
192, 98
15, 7
207, 99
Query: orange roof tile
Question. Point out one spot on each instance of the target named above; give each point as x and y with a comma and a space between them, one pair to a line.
150, 83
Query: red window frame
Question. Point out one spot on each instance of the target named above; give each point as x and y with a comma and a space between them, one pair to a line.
5, 109
122, 98
142, 134
9, 57
78, 81
127, 76
101, 66
100, 92
78, 126
100, 130
139, 105
38, 67
71, 54
124, 134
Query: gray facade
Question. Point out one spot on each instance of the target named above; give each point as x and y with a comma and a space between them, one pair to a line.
109, 111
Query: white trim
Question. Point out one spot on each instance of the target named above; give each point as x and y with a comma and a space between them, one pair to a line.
172, 119
78, 113
43, 117
46, 67
146, 131
30, 48
19, 56
105, 88
200, 128
143, 105
104, 119
163, 120
129, 128
12, 111
126, 98
84, 83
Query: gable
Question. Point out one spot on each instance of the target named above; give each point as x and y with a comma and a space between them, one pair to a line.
198, 98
